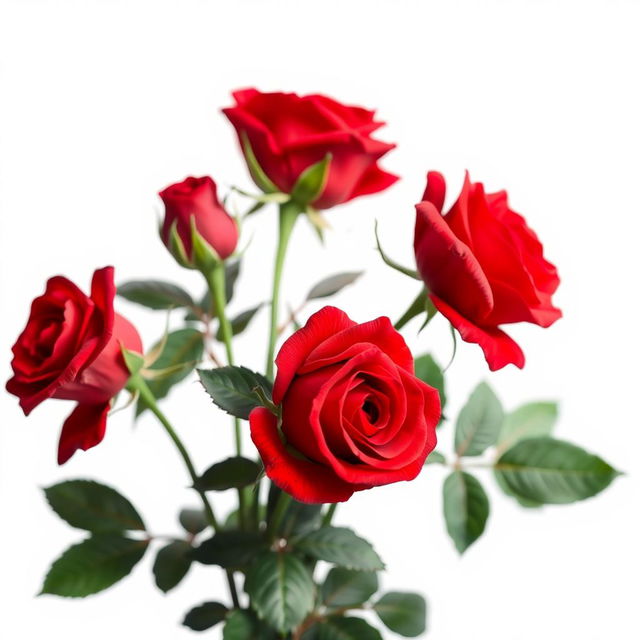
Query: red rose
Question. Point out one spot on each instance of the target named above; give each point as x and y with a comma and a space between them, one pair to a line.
354, 416
194, 201
289, 133
483, 267
70, 349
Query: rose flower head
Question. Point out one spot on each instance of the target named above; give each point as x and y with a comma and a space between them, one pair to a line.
483, 267
195, 223
286, 134
353, 415
71, 349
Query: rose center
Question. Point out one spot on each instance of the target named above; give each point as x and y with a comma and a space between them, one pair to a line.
371, 410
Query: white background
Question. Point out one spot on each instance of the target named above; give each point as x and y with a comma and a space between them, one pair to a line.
105, 102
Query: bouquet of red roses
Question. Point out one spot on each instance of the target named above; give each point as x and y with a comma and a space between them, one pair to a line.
341, 406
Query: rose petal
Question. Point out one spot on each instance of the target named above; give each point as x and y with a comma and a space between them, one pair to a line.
83, 429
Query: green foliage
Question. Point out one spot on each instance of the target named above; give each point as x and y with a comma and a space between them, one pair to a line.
281, 589
311, 182
182, 351
92, 506
243, 625
435, 457
403, 613
240, 322
466, 509
171, 564
348, 588
531, 420
193, 520
93, 565
205, 616
232, 389
341, 628
155, 294
549, 471
232, 473
340, 546
299, 518
229, 549
333, 284
429, 371
479, 422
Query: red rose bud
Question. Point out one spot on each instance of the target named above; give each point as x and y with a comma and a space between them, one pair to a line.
71, 350
354, 416
483, 267
195, 222
285, 134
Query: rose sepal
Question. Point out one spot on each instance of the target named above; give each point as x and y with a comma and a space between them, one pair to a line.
412, 273
312, 182
257, 172
176, 247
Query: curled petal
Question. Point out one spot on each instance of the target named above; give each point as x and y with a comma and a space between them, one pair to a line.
83, 429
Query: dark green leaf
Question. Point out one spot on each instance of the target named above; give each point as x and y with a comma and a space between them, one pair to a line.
243, 625
435, 457
429, 371
93, 565
193, 520
92, 506
479, 422
523, 502
171, 565
232, 473
240, 322
552, 471
340, 546
281, 589
229, 549
232, 389
340, 628
466, 509
348, 588
331, 285
182, 347
403, 613
299, 518
312, 181
205, 616
155, 294
531, 420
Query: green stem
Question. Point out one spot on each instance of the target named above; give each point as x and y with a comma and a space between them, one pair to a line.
275, 522
217, 286
288, 214
136, 383
328, 516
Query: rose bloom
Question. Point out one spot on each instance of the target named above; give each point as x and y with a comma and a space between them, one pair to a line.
289, 133
354, 416
483, 267
195, 201
71, 350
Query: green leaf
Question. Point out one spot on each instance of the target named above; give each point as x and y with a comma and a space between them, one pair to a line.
299, 518
435, 457
403, 613
333, 284
479, 422
429, 371
312, 182
171, 564
243, 625
528, 421
281, 589
229, 549
526, 503
92, 506
232, 473
183, 347
348, 588
552, 471
205, 616
340, 546
155, 294
466, 509
232, 389
340, 628
257, 173
240, 322
93, 565
193, 520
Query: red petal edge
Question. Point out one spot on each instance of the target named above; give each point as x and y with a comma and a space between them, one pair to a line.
83, 429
